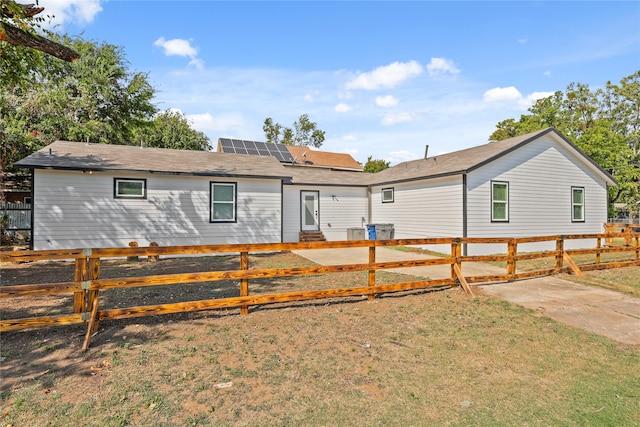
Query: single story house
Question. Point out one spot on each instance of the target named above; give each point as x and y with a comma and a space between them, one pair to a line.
99, 195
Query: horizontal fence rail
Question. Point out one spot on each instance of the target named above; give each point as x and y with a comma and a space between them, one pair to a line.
86, 285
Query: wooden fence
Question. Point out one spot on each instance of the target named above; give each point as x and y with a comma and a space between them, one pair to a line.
87, 284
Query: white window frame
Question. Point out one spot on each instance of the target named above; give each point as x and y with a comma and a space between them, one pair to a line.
575, 204
117, 194
494, 201
233, 202
384, 195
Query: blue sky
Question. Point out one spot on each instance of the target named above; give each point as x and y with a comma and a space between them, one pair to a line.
382, 79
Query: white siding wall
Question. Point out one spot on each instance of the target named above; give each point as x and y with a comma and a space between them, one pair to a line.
540, 177
337, 214
73, 210
428, 208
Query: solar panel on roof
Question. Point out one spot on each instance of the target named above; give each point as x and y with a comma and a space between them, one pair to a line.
226, 143
256, 148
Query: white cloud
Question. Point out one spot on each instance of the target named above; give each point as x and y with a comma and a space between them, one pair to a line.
352, 151
387, 76
533, 97
386, 101
197, 63
349, 138
396, 157
309, 98
206, 122
512, 95
502, 94
523, 40
342, 108
65, 11
176, 47
392, 119
180, 47
439, 67
547, 73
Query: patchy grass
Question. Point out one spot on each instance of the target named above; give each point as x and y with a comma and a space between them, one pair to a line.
420, 358
625, 280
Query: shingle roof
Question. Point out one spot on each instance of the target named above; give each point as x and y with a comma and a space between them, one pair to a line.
107, 157
464, 161
321, 176
82, 156
307, 156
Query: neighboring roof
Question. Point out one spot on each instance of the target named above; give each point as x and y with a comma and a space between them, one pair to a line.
106, 157
308, 157
465, 161
300, 155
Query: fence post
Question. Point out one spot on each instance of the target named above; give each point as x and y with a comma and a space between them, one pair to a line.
93, 272
244, 283
598, 246
559, 253
455, 254
79, 273
628, 239
608, 229
372, 273
511, 263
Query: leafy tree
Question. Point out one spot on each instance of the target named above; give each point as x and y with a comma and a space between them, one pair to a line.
95, 99
605, 124
304, 132
170, 129
373, 166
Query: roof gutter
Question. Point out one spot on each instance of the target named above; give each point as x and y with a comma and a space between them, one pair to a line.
105, 170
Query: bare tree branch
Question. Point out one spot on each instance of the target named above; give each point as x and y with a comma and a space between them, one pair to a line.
18, 37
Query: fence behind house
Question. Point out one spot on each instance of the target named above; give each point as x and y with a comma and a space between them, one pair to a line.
18, 216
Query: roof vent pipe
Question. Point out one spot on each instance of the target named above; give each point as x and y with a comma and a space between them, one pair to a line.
426, 150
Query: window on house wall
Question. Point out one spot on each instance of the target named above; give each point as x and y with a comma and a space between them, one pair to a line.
223, 202
499, 201
126, 188
387, 195
577, 204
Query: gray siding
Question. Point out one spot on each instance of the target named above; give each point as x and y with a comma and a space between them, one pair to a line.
540, 177
74, 210
427, 208
340, 208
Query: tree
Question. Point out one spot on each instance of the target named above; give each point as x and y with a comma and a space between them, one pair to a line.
373, 166
170, 129
304, 132
605, 124
95, 99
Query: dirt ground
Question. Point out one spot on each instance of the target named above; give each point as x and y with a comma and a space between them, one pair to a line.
196, 367
61, 345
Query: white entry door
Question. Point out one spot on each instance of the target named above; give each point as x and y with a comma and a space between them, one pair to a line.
309, 210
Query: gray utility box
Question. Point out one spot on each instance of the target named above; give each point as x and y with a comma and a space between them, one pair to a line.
384, 231
355, 234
